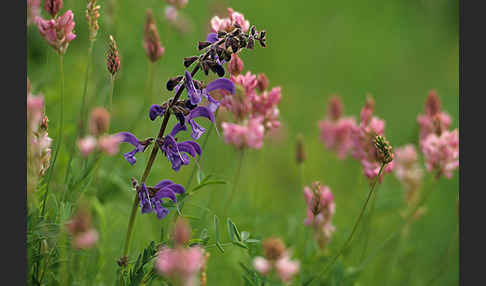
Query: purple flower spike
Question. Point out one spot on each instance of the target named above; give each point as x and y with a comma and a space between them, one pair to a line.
193, 93
212, 38
155, 111
221, 83
128, 137
177, 152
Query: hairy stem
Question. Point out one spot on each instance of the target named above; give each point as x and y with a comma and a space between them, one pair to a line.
355, 227
150, 162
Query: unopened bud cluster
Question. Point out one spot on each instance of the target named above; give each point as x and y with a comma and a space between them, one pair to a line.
112, 58
92, 15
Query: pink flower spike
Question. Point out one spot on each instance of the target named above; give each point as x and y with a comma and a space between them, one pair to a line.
442, 153
57, 32
87, 145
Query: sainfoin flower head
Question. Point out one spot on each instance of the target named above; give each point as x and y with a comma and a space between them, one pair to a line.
53, 6
33, 10
441, 152
84, 235
92, 15
408, 171
248, 135
277, 258
229, 23
336, 130
153, 47
364, 144
434, 120
320, 211
57, 32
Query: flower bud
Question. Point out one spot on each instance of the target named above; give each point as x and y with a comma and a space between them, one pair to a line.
262, 82
173, 82
383, 150
273, 248
235, 65
300, 151
335, 108
432, 104
99, 121
189, 61
153, 47
92, 15
53, 7
182, 232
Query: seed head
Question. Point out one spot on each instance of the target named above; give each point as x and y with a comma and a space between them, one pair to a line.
112, 59
92, 15
384, 152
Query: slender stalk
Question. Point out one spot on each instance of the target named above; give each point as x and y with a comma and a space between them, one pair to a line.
112, 87
235, 181
81, 124
148, 167
60, 131
355, 227
368, 225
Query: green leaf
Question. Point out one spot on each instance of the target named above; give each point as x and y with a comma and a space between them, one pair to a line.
216, 228
203, 184
220, 247
233, 231
240, 244
245, 235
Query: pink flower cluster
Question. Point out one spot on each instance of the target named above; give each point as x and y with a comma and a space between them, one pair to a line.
228, 24
408, 172
33, 10
277, 258
336, 130
107, 143
181, 264
84, 235
364, 136
58, 32
439, 145
38, 140
153, 47
254, 109
320, 211
172, 10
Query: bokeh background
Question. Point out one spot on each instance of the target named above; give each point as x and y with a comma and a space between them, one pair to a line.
394, 50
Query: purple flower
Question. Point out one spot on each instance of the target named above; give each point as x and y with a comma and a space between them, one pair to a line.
195, 95
140, 146
200, 111
155, 111
212, 38
177, 152
151, 197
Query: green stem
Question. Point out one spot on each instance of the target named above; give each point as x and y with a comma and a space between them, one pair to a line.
368, 226
235, 181
112, 87
148, 167
82, 125
59, 136
355, 227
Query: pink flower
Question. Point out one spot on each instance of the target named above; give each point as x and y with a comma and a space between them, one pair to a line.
248, 81
52, 6
228, 24
337, 131
180, 264
33, 9
320, 211
109, 143
35, 109
235, 65
364, 136
441, 152
153, 47
287, 268
170, 13
86, 239
262, 265
241, 136
434, 120
57, 32
408, 171
87, 145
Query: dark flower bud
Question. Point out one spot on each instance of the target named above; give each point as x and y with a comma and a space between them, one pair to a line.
173, 82
221, 34
203, 45
242, 41
262, 82
252, 30
300, 152
188, 61
251, 43
226, 55
123, 261
180, 117
53, 6
205, 67
236, 31
262, 39
134, 183
216, 68
189, 105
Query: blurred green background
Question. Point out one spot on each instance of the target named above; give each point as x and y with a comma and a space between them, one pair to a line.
395, 50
